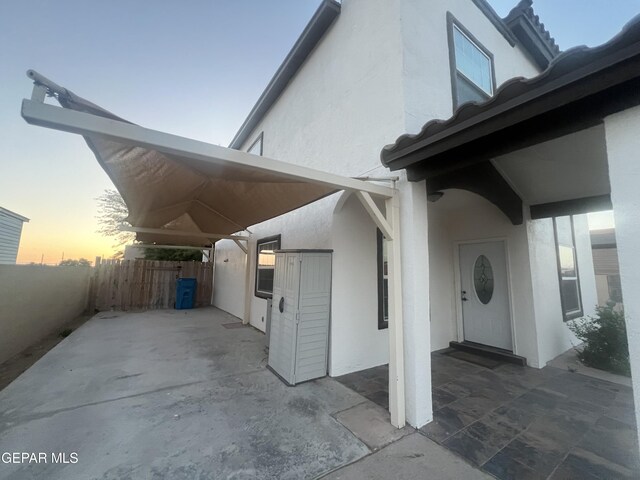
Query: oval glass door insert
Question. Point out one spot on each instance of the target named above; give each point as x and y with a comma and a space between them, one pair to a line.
483, 279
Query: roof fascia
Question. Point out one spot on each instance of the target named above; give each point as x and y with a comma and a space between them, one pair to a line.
13, 214
494, 18
322, 19
531, 41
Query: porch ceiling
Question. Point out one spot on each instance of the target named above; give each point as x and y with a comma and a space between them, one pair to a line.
539, 174
539, 141
175, 186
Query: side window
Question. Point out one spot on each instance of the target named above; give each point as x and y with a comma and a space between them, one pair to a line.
256, 146
567, 267
383, 282
472, 74
265, 265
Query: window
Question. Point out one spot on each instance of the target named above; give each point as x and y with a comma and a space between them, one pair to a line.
483, 279
472, 76
567, 267
265, 265
383, 282
256, 147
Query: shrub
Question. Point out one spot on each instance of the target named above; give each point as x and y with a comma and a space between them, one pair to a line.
605, 340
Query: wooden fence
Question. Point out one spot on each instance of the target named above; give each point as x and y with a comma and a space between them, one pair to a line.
145, 284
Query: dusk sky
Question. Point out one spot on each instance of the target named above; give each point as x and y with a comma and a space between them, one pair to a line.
190, 68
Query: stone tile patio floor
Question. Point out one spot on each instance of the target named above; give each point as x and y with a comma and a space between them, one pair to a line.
523, 423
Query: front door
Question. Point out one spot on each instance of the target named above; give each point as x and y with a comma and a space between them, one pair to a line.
486, 315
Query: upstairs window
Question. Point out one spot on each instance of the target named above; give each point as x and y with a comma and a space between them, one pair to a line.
265, 265
567, 267
256, 146
471, 66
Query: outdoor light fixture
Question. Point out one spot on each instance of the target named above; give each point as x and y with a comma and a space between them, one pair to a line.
435, 196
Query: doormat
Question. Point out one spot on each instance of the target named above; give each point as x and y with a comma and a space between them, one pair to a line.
234, 325
475, 359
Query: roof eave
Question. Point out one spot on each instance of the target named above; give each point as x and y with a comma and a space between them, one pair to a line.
495, 19
13, 214
531, 33
322, 19
530, 39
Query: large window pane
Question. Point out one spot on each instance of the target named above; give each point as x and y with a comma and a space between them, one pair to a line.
256, 147
265, 265
567, 261
570, 295
472, 62
567, 266
467, 92
383, 282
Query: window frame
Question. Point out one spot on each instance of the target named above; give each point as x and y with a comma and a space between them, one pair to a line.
574, 313
382, 322
274, 238
452, 23
259, 138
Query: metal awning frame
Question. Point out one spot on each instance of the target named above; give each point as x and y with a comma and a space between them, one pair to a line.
36, 112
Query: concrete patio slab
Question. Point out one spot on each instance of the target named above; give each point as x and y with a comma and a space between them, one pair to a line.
371, 424
171, 394
410, 458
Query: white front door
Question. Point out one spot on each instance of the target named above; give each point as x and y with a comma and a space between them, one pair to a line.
485, 294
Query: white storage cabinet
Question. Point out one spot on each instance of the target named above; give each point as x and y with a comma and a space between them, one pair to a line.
300, 315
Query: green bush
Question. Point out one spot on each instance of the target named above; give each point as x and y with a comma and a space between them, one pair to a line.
605, 340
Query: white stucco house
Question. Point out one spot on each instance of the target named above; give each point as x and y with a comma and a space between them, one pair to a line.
10, 233
362, 74
469, 231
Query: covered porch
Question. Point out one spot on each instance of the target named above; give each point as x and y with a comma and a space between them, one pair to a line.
521, 422
561, 144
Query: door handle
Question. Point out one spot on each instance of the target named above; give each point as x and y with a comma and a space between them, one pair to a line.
281, 305
464, 295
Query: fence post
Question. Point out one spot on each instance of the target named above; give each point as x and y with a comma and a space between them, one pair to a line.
93, 286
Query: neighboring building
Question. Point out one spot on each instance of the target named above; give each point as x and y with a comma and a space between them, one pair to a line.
10, 233
362, 74
605, 266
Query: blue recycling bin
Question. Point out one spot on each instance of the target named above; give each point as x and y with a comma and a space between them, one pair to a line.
185, 293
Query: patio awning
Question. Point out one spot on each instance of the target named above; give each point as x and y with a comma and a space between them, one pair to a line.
174, 186
192, 193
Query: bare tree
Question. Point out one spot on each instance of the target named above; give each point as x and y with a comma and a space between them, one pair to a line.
112, 212
69, 262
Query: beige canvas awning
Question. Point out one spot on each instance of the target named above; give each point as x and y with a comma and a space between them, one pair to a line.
166, 191
190, 193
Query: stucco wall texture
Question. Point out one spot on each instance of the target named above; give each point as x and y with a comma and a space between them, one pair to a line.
381, 70
36, 300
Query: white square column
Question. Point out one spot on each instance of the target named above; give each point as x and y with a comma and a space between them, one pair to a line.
623, 151
415, 302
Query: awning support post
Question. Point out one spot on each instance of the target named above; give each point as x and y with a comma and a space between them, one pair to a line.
396, 335
389, 225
